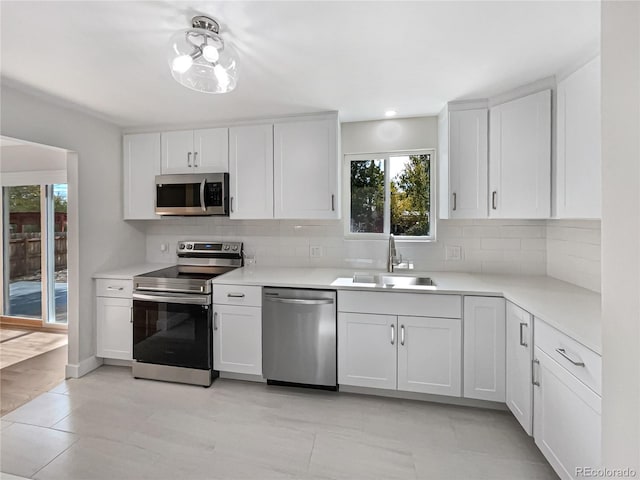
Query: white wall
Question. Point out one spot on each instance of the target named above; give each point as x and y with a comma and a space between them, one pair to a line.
573, 252
621, 234
106, 241
30, 164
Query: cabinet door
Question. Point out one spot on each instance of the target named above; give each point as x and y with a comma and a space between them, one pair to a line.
177, 152
567, 416
141, 155
484, 348
367, 350
211, 150
519, 388
468, 138
520, 158
306, 169
237, 339
251, 171
578, 180
429, 355
114, 328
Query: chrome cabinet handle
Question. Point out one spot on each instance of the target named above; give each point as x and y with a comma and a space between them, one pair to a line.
534, 362
189, 159
231, 204
202, 205
402, 335
301, 301
118, 289
563, 352
235, 295
455, 202
393, 334
215, 321
333, 203
131, 316
494, 200
522, 342
195, 159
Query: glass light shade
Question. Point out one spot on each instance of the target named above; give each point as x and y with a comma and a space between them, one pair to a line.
213, 69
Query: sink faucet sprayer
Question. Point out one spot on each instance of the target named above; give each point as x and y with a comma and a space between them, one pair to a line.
393, 259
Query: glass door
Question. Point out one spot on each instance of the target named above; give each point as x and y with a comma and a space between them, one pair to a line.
35, 249
23, 250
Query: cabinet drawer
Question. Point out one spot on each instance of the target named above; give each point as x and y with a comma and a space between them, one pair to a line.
412, 304
106, 287
560, 346
237, 295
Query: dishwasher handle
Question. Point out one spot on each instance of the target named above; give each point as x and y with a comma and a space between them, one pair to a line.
301, 301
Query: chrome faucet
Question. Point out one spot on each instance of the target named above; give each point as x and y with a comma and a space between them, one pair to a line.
393, 259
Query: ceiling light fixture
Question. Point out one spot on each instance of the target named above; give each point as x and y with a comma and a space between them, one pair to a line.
200, 60
390, 113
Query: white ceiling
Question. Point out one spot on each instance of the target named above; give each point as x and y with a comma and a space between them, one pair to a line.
360, 58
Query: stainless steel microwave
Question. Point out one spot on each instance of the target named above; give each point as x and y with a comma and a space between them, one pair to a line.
202, 194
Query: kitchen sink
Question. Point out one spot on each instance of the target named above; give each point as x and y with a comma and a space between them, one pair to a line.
388, 280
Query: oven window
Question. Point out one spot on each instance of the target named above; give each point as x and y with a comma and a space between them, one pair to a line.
172, 334
178, 195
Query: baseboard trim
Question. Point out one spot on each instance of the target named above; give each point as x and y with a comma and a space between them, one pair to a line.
81, 369
424, 397
116, 362
243, 376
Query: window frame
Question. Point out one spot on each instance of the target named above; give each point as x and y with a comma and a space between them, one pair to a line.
385, 156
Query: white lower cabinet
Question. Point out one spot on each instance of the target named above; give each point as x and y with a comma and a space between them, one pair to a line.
429, 355
114, 328
399, 352
367, 350
567, 416
519, 394
484, 348
237, 339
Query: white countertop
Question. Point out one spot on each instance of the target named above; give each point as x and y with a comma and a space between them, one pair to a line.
128, 272
573, 310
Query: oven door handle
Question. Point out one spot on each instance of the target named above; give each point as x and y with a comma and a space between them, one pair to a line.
202, 205
182, 299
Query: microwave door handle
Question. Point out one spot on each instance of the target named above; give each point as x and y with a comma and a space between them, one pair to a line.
202, 205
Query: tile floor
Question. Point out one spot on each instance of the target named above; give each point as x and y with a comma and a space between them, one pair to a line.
109, 426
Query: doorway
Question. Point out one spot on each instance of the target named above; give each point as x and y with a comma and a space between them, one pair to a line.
34, 295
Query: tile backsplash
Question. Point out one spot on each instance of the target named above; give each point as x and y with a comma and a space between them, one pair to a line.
573, 252
488, 246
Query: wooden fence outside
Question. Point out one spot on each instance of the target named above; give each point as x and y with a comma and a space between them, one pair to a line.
26, 251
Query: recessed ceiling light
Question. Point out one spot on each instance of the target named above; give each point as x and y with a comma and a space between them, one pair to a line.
390, 113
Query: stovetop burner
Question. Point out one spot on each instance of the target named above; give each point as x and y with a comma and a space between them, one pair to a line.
198, 264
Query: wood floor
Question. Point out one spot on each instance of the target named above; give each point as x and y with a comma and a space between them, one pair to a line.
31, 363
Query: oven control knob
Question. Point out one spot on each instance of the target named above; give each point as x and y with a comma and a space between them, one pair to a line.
235, 248
189, 246
181, 246
226, 247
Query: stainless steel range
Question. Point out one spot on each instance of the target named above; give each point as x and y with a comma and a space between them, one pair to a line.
172, 314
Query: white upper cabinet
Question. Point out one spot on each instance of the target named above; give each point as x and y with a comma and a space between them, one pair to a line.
251, 171
468, 138
519, 356
520, 158
578, 177
484, 348
141, 155
211, 150
306, 183
199, 151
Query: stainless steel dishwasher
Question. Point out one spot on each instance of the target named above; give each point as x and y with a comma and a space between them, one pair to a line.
299, 337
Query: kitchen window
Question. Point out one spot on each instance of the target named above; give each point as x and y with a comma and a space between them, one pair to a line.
390, 193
